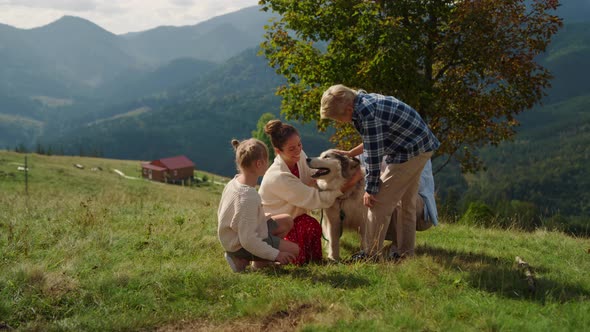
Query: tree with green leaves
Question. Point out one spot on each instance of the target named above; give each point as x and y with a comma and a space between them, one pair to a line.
261, 135
467, 66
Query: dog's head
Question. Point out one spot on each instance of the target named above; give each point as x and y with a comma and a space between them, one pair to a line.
333, 169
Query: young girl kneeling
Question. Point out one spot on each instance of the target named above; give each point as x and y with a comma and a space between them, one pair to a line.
245, 232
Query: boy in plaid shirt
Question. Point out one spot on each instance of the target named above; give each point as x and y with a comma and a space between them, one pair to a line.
389, 128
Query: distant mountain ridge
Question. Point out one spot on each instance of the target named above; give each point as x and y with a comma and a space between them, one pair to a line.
73, 56
569, 61
197, 119
213, 40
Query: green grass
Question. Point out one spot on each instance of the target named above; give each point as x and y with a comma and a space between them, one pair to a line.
89, 250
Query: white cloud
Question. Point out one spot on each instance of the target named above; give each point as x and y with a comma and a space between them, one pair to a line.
69, 5
183, 3
117, 16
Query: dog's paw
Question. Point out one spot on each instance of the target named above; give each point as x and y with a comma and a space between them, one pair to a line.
332, 261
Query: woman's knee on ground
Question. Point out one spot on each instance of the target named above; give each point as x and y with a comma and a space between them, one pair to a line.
289, 246
284, 222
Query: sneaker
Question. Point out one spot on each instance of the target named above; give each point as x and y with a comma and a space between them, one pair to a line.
236, 264
397, 258
361, 256
394, 256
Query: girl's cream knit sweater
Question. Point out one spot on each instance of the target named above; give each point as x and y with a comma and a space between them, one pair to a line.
241, 221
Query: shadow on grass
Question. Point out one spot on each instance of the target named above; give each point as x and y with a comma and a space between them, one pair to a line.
313, 274
502, 277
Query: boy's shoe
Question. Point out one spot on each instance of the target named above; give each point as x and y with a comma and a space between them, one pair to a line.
237, 264
394, 257
361, 256
397, 258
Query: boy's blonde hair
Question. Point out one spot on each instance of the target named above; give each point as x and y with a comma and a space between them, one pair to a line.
248, 151
335, 99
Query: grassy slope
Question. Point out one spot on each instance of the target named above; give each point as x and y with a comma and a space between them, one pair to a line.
92, 251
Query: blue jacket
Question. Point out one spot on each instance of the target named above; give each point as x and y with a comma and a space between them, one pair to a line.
426, 191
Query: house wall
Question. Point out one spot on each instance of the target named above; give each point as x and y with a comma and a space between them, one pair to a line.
182, 173
155, 175
172, 176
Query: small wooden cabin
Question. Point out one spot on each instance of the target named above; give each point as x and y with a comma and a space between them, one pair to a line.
169, 170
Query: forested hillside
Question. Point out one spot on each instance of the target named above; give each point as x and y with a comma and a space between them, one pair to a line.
546, 165
198, 119
545, 169
569, 61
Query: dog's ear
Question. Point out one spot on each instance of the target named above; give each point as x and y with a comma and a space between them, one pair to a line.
350, 167
354, 164
345, 165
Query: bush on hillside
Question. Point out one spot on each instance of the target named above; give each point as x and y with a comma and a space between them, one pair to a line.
506, 214
479, 214
578, 226
520, 214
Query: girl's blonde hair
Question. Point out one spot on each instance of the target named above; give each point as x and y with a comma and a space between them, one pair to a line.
248, 151
335, 99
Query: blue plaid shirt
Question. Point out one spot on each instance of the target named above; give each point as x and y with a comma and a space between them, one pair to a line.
391, 128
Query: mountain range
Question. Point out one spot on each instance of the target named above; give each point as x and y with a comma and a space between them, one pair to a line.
73, 56
78, 88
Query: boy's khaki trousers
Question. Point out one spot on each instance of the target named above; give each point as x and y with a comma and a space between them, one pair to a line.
399, 182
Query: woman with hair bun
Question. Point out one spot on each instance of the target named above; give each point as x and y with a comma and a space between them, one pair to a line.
287, 187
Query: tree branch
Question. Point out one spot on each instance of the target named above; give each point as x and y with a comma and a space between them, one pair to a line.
444, 164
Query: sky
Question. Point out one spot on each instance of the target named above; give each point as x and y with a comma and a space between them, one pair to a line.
117, 16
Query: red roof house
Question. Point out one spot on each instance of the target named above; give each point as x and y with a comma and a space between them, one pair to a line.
169, 170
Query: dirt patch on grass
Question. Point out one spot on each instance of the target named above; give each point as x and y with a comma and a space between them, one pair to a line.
57, 285
283, 320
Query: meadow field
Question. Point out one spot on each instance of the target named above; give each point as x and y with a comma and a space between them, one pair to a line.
89, 250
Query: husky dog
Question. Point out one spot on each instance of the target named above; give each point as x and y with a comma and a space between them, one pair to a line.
348, 211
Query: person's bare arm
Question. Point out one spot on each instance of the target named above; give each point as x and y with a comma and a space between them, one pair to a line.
356, 150
352, 152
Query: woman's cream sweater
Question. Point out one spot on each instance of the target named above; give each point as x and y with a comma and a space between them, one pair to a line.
283, 192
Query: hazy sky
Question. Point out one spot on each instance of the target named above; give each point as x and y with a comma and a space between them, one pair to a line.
117, 16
